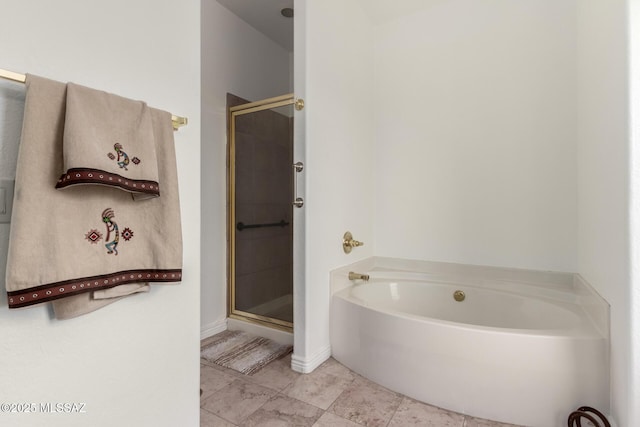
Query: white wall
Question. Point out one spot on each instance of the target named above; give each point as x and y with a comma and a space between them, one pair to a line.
475, 134
634, 77
603, 183
299, 77
238, 59
338, 117
134, 362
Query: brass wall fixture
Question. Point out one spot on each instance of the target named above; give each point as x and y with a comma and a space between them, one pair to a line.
299, 104
459, 296
348, 243
358, 276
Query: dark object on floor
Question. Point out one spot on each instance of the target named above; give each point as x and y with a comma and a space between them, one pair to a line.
585, 412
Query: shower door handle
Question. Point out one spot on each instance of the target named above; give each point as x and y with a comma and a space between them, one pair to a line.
298, 202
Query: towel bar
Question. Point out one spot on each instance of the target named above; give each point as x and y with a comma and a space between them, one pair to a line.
21, 78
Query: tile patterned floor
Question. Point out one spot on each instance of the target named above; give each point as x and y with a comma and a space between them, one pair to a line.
330, 396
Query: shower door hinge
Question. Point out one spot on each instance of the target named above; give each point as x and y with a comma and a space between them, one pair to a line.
298, 202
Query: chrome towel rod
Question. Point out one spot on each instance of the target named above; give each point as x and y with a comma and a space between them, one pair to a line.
21, 78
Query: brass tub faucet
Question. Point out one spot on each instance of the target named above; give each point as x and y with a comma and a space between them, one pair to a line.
358, 276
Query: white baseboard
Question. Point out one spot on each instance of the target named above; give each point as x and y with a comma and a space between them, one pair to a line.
307, 365
211, 329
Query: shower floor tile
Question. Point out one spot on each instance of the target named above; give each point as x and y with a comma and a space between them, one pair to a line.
331, 396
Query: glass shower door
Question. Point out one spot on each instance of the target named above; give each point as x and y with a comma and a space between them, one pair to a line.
260, 211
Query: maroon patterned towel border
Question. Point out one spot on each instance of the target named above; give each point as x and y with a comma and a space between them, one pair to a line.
77, 176
53, 291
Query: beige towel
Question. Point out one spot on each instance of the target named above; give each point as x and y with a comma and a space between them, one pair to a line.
108, 140
76, 247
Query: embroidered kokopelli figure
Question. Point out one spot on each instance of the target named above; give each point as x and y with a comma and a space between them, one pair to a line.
112, 227
121, 155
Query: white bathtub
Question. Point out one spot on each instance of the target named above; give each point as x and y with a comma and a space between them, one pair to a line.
523, 347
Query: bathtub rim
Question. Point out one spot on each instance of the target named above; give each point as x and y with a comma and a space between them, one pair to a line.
592, 304
584, 331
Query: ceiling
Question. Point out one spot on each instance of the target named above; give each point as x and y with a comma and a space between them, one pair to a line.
264, 16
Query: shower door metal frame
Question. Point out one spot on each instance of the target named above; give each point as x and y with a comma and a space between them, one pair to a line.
233, 112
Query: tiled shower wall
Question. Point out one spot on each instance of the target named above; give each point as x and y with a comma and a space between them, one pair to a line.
264, 191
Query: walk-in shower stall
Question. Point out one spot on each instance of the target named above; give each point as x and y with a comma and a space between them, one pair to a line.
260, 230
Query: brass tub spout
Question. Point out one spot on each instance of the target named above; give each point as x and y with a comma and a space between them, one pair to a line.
358, 276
